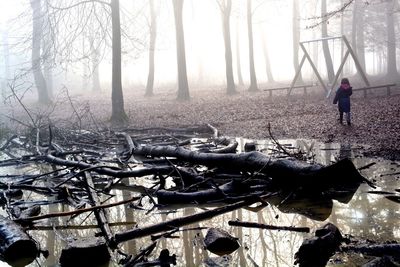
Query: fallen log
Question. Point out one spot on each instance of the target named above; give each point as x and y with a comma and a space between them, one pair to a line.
316, 251
16, 247
220, 242
28, 220
233, 188
111, 171
285, 173
85, 252
269, 227
377, 250
178, 222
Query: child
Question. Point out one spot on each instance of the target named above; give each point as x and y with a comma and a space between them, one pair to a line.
343, 97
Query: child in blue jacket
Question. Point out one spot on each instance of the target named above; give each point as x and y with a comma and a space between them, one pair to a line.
342, 97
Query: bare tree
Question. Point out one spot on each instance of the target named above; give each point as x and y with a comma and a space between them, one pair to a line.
183, 85
118, 115
226, 9
325, 45
37, 30
6, 60
152, 46
296, 37
238, 63
392, 73
253, 78
357, 34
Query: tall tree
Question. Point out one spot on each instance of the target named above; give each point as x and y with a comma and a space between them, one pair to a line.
267, 61
6, 60
296, 37
238, 63
226, 8
37, 34
152, 46
325, 45
95, 54
183, 85
253, 78
118, 115
392, 73
357, 35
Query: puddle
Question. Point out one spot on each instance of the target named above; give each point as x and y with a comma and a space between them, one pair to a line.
366, 215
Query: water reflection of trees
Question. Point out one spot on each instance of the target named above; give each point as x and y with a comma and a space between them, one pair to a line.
366, 215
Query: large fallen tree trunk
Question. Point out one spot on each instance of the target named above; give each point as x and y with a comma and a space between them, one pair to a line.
16, 247
284, 172
178, 222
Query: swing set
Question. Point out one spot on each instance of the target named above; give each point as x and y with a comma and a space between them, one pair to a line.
348, 52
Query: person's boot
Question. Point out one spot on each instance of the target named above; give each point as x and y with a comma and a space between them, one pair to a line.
349, 123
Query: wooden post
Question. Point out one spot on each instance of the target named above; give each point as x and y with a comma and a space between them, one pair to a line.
296, 76
357, 63
338, 72
313, 67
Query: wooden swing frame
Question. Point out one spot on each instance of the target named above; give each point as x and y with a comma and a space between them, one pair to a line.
306, 55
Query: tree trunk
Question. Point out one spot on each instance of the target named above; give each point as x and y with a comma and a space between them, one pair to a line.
16, 247
95, 68
325, 45
226, 15
153, 36
6, 55
37, 34
118, 115
360, 35
183, 86
253, 78
267, 61
296, 37
392, 73
238, 63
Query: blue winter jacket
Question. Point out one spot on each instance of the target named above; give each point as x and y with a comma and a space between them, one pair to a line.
343, 97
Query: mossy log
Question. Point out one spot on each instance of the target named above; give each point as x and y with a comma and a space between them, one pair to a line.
16, 247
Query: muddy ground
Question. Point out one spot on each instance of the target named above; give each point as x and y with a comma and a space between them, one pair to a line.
375, 119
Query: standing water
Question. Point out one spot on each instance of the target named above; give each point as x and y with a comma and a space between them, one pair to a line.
366, 215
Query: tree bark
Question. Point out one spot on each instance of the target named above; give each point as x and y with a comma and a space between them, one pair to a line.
392, 73
153, 36
183, 85
118, 115
37, 34
253, 78
16, 247
238, 63
325, 45
296, 37
226, 26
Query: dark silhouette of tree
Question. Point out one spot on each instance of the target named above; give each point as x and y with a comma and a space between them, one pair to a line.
226, 10
325, 45
296, 37
238, 63
357, 35
183, 86
37, 34
253, 78
392, 73
152, 45
118, 115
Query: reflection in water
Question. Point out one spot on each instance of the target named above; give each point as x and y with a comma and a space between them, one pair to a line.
363, 215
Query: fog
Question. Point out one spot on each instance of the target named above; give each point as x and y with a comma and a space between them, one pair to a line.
72, 28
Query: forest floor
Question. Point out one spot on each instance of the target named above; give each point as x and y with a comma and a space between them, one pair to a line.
375, 119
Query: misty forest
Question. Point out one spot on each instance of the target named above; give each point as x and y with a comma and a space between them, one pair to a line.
200, 133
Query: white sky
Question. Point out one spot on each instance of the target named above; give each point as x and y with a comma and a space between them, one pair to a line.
204, 41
